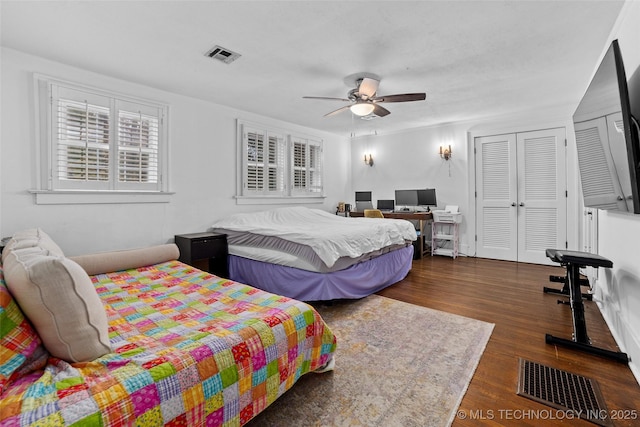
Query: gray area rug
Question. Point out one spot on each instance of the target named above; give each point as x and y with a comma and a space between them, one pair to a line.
397, 364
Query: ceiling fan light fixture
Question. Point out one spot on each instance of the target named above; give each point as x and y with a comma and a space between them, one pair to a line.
362, 108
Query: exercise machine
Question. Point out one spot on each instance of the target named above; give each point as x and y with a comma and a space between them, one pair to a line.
572, 261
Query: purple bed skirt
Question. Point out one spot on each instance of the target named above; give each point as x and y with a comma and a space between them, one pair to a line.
357, 281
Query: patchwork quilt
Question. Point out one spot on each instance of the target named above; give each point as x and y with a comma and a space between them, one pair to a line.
188, 349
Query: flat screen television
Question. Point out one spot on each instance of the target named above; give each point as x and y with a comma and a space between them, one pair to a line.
427, 197
607, 138
406, 197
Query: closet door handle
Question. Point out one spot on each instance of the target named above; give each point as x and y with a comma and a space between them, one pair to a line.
521, 204
513, 204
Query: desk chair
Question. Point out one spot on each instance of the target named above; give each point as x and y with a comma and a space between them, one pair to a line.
573, 261
373, 213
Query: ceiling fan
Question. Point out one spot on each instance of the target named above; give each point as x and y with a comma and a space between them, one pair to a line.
364, 100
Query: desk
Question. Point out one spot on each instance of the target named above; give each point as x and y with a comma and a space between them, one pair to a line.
421, 217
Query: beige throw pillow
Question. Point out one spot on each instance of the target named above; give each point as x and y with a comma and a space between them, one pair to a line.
30, 238
57, 296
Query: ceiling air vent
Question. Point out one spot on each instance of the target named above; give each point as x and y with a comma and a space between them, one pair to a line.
222, 54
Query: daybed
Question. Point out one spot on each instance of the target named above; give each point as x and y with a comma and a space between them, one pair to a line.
153, 343
312, 255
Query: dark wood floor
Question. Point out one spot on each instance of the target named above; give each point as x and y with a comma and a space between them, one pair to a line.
509, 294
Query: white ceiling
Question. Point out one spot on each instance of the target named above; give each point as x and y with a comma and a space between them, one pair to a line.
474, 59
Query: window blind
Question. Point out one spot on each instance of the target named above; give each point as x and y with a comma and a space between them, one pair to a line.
307, 165
299, 165
264, 164
137, 147
83, 141
274, 163
255, 161
315, 168
104, 142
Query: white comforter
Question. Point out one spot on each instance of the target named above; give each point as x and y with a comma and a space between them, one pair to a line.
330, 236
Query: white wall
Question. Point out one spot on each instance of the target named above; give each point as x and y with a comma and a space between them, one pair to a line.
203, 167
618, 289
410, 159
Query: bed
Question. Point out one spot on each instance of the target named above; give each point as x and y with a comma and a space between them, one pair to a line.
312, 255
187, 348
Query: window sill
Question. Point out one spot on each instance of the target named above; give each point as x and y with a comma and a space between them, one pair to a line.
80, 197
277, 200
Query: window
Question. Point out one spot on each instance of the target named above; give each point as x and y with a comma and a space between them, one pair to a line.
264, 162
100, 141
306, 158
279, 164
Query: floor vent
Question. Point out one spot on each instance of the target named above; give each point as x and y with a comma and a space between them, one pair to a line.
221, 54
573, 394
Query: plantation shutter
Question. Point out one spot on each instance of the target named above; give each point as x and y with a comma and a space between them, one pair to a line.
81, 131
306, 160
264, 162
315, 167
138, 146
299, 162
276, 165
254, 143
100, 142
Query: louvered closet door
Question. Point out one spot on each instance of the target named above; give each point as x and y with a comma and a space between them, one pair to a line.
496, 195
542, 201
599, 141
520, 195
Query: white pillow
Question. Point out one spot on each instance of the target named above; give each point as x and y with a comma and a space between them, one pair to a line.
57, 296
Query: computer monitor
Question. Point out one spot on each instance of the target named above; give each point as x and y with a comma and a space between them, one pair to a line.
406, 197
427, 197
361, 206
363, 196
386, 205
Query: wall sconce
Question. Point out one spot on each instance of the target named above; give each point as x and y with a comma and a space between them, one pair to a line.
445, 153
368, 159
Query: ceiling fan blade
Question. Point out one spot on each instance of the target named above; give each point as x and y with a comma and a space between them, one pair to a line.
368, 87
326, 98
339, 110
380, 111
405, 97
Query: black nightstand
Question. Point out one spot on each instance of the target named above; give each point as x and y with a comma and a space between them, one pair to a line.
196, 247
